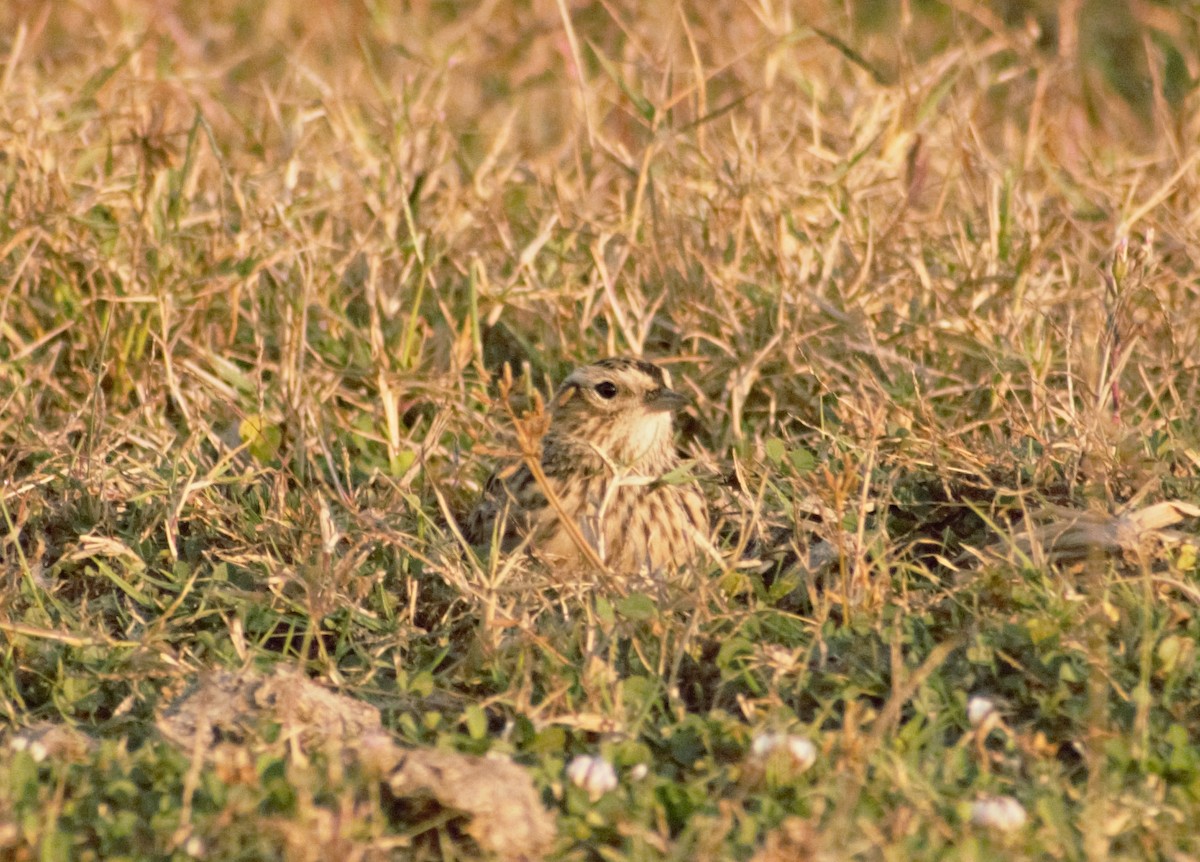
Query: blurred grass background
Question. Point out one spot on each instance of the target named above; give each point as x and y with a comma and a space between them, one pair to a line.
927, 269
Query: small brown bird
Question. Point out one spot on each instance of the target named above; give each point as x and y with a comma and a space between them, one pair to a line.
600, 495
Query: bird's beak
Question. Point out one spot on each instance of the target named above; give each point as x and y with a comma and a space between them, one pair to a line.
666, 399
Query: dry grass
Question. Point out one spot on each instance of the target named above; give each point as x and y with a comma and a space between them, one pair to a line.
929, 274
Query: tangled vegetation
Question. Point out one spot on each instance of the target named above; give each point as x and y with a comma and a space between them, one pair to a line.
928, 271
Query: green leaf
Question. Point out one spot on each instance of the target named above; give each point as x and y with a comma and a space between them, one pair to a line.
681, 475
638, 607
803, 461
23, 778
402, 461
1041, 628
231, 373
476, 720
731, 650
638, 691
604, 611
1177, 82
1174, 651
552, 740
262, 439
126, 587
56, 846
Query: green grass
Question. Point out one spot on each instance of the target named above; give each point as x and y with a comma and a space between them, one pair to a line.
927, 275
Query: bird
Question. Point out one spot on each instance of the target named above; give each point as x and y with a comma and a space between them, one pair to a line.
596, 493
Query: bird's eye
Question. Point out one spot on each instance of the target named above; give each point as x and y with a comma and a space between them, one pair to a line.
606, 389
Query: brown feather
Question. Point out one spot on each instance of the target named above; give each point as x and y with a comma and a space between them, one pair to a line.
610, 441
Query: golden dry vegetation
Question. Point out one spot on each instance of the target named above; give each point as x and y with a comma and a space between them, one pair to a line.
929, 272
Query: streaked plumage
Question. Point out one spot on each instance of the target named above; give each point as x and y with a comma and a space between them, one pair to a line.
610, 441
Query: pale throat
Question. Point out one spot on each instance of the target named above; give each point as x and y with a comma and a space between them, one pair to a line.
644, 442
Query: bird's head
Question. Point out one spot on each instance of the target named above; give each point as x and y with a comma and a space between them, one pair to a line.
621, 407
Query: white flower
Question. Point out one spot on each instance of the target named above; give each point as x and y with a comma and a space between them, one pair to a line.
780, 659
979, 710
638, 772
764, 743
594, 774
800, 751
1002, 813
